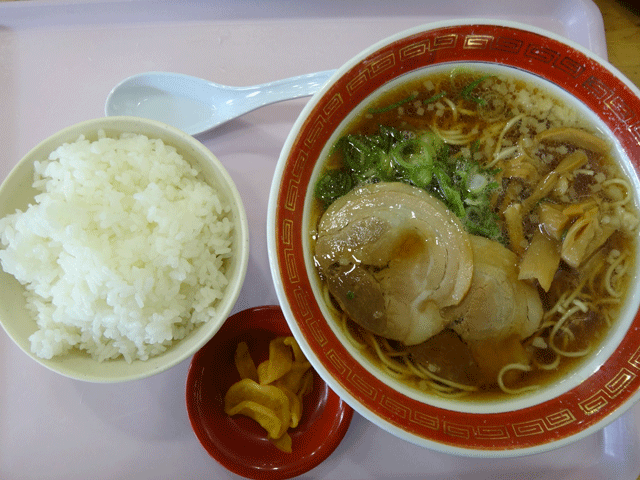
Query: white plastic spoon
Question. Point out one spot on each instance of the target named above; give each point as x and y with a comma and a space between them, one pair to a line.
195, 105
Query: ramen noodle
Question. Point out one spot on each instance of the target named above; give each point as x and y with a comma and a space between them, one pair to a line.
473, 234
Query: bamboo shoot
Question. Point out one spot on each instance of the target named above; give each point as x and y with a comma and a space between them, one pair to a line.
541, 260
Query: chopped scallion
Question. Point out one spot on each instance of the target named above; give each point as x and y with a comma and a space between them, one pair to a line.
397, 104
466, 92
434, 98
332, 185
423, 160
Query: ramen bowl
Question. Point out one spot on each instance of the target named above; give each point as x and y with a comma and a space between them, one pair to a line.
17, 193
585, 398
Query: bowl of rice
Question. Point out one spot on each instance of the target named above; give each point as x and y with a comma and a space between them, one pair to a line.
123, 247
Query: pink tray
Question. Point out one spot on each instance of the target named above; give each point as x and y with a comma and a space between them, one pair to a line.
58, 61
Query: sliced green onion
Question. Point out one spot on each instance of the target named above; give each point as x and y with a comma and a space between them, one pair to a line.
421, 159
458, 74
421, 176
466, 92
435, 97
358, 154
399, 103
432, 139
412, 153
387, 137
450, 195
480, 222
333, 185
385, 170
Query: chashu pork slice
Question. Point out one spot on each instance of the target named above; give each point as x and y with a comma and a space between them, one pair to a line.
393, 256
498, 305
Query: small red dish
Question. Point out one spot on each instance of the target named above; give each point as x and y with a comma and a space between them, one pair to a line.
239, 443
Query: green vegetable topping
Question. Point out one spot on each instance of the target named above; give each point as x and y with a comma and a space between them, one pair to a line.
423, 160
435, 97
333, 185
466, 92
399, 103
415, 158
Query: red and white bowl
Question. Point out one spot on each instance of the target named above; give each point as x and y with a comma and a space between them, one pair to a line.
591, 397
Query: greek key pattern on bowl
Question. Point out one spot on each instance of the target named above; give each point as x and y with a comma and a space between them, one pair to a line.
306, 314
614, 387
373, 69
347, 375
289, 253
426, 46
615, 103
541, 426
490, 433
634, 361
477, 41
507, 44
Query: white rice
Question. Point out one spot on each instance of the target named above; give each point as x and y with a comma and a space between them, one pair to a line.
124, 251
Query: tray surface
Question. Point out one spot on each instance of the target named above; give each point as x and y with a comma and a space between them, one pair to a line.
60, 59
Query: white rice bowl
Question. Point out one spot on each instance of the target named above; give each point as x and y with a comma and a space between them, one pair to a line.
128, 249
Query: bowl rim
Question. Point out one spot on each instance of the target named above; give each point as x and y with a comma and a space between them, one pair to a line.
189, 147
277, 266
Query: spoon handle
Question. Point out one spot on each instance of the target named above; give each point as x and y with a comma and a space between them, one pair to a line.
285, 89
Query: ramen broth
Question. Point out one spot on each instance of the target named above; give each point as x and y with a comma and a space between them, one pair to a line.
543, 180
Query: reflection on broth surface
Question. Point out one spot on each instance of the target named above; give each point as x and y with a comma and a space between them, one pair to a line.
473, 234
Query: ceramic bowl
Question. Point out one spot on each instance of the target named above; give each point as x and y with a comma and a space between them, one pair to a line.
17, 192
593, 395
239, 443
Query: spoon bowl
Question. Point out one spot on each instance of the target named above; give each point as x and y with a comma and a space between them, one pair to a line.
195, 105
